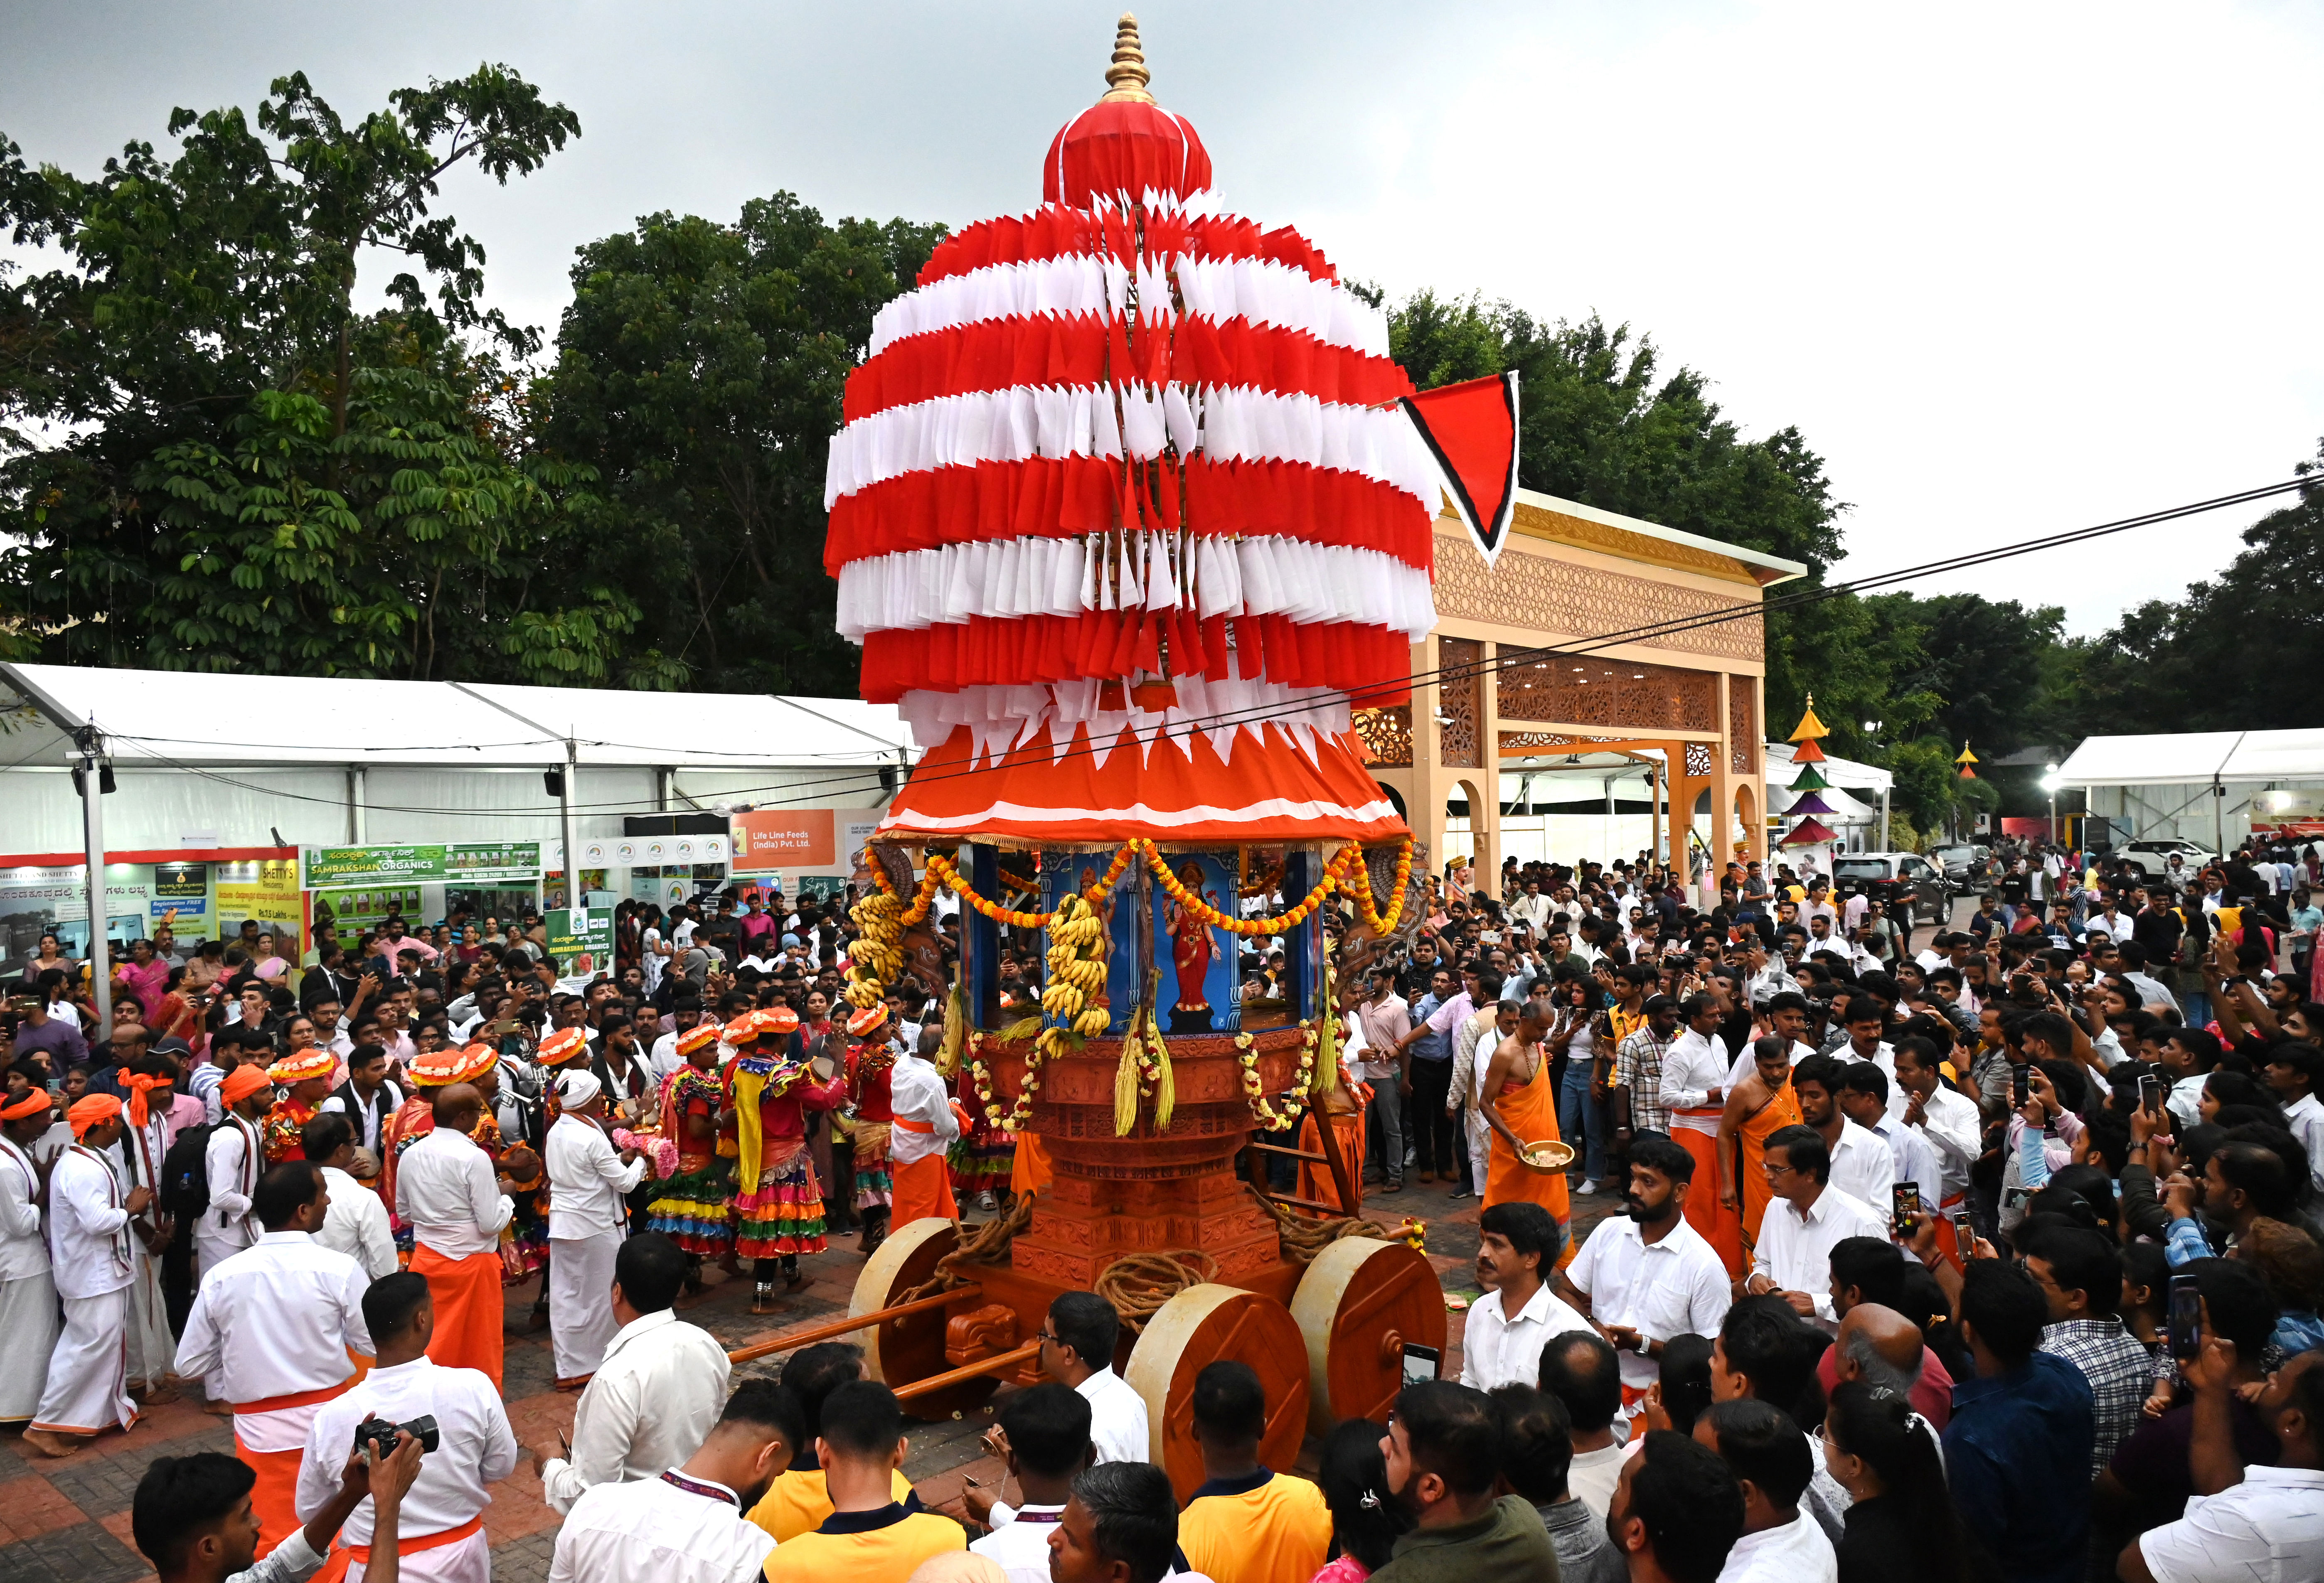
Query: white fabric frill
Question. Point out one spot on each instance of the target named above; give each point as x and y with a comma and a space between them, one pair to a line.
1263, 575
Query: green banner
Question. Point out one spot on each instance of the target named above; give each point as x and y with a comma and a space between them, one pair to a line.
460, 863
581, 939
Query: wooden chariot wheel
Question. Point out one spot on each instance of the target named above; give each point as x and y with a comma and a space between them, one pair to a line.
1199, 1326
911, 1346
1360, 1304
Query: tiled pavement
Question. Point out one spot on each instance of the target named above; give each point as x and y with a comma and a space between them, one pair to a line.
67, 1522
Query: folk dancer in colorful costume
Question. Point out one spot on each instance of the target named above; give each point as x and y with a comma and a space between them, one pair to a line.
983, 1159
144, 1143
589, 1182
89, 1241
870, 1061
28, 1291
691, 1207
304, 1078
281, 1326
777, 1202
446, 1187
519, 1096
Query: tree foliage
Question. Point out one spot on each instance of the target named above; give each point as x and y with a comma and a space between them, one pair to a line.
699, 374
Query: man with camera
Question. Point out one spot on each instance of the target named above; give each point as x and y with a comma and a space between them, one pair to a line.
273, 1329
456, 1416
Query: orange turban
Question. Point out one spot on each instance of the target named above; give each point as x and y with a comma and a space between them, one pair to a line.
139, 1086
242, 1082
91, 1110
306, 1064
34, 1103
563, 1046
868, 1021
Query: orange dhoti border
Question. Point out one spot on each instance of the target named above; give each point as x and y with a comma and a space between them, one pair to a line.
924, 1187
1717, 1224
344, 1557
466, 1295
1030, 1172
274, 1498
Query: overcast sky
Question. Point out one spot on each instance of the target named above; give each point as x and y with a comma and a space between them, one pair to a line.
2011, 269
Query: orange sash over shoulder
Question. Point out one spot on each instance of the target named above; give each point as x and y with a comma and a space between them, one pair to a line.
1782, 1112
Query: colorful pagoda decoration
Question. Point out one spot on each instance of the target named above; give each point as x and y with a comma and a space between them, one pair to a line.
1809, 831
1964, 761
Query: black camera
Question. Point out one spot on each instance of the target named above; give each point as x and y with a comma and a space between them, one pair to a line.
380, 1432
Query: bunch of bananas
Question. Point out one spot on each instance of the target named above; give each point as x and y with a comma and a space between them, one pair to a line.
1077, 963
877, 957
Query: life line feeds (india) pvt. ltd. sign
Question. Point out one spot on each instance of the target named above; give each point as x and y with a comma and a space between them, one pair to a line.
768, 839
459, 863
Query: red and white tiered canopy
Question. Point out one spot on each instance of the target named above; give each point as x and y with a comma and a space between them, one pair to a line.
1125, 512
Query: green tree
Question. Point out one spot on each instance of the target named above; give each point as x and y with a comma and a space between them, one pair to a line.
698, 375
2238, 651
209, 457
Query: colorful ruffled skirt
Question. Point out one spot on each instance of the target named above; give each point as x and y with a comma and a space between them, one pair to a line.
875, 1184
982, 1160
784, 1214
690, 1209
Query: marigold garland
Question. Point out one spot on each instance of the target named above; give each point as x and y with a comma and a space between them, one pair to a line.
1333, 873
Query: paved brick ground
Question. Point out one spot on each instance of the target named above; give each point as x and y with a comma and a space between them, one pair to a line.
67, 1522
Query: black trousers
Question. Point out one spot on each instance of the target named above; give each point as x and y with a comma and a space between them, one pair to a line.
1436, 1145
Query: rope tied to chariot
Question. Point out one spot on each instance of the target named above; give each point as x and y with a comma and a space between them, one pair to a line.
1139, 1284
1301, 1238
989, 1246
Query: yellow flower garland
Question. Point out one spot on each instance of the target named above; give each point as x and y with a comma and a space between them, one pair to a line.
1255, 1090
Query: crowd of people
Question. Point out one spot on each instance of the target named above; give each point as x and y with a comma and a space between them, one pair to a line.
1993, 1253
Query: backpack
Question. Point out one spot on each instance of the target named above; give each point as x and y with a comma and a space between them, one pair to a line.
185, 1187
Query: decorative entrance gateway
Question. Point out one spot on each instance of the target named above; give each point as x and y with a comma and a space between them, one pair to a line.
1130, 500
1670, 665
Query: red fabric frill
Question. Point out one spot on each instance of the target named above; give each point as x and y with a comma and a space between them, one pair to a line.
1124, 146
1061, 496
1072, 349
1369, 661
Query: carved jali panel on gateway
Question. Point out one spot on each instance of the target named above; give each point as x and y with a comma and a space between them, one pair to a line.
1570, 690
1544, 593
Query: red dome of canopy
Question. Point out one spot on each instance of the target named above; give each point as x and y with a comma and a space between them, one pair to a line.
1125, 145
1125, 142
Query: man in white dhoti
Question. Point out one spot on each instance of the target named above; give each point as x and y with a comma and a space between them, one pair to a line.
588, 1185
28, 1294
87, 1391
278, 1327
137, 1157
443, 1540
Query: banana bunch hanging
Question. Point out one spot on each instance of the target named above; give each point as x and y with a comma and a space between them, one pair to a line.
1078, 970
877, 958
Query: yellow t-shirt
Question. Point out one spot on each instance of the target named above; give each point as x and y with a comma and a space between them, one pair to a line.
868, 1546
796, 1503
1267, 1528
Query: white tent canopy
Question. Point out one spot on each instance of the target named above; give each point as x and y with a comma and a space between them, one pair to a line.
185, 718
2196, 758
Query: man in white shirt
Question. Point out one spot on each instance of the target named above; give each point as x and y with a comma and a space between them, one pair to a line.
2295, 1071
1077, 1351
367, 1098
1647, 1276
357, 1222
28, 1292
1862, 1165
1948, 1120
274, 1327
1045, 1436
446, 1190
442, 1537
2269, 1525
1863, 1100
657, 1391
87, 1391
231, 1165
1775, 1464
686, 1014
687, 1526
1694, 1085
1501, 1343
1806, 1216
924, 1128
588, 1185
